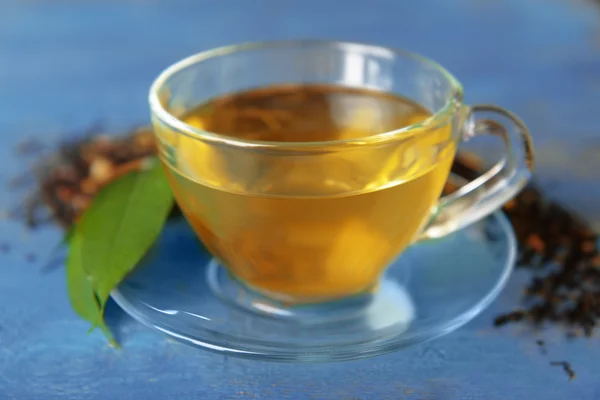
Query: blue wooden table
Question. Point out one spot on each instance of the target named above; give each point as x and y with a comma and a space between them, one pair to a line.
66, 64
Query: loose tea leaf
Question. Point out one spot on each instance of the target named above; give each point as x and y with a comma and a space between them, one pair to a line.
68, 178
542, 345
561, 250
566, 367
120, 225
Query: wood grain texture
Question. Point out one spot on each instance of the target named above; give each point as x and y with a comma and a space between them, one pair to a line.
66, 64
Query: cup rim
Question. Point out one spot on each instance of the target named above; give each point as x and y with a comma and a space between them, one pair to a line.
436, 119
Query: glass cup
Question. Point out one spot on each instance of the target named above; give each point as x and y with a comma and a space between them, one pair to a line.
311, 222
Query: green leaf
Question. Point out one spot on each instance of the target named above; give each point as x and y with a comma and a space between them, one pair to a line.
82, 296
68, 236
120, 225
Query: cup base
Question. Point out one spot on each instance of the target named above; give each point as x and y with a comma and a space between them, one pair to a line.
432, 289
238, 294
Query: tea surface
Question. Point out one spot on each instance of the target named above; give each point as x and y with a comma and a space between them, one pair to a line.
308, 227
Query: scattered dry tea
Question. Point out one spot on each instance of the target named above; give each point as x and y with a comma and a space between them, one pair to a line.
542, 345
73, 175
561, 251
566, 367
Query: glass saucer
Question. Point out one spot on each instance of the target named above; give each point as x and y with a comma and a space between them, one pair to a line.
432, 289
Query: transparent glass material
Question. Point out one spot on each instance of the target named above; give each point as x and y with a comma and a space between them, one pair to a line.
432, 289
201, 78
241, 196
308, 234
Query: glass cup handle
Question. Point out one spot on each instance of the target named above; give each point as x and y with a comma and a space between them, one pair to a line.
484, 195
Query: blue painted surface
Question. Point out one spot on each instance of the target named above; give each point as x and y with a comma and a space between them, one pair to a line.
65, 64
